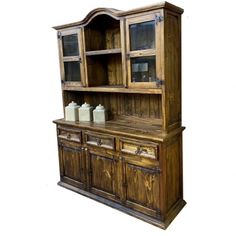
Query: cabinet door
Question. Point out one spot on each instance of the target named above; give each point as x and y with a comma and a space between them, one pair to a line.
143, 43
141, 187
101, 171
71, 54
72, 165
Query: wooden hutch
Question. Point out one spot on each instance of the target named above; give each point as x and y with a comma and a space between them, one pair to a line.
130, 62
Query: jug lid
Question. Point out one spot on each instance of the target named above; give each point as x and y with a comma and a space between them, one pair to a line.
100, 107
73, 104
85, 105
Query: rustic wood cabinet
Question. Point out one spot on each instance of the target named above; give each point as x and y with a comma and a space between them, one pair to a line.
130, 62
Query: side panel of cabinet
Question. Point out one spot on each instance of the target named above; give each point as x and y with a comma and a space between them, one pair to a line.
101, 174
141, 186
172, 65
72, 165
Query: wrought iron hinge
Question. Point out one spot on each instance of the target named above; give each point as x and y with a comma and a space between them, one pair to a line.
158, 212
158, 170
59, 35
158, 19
160, 82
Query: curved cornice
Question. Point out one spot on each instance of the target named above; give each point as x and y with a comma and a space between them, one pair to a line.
117, 14
114, 13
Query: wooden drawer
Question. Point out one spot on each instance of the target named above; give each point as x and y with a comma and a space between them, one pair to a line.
69, 134
100, 140
139, 148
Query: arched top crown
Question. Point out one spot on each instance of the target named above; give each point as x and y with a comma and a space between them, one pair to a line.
116, 14
110, 12
98, 12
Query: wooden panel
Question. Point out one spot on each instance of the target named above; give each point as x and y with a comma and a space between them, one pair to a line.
103, 52
93, 39
101, 170
114, 70
173, 171
130, 105
97, 70
172, 69
104, 70
112, 37
103, 32
142, 186
69, 96
111, 89
72, 163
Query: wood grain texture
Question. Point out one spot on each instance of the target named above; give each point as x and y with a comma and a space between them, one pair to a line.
133, 161
172, 62
101, 172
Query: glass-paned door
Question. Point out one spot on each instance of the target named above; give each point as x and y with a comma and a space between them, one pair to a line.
143, 51
70, 57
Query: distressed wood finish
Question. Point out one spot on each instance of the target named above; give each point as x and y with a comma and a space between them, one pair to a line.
130, 62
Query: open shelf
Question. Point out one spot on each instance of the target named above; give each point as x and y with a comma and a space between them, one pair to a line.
125, 108
103, 32
102, 52
104, 69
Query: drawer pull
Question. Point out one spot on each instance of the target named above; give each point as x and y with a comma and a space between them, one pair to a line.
68, 136
137, 151
99, 142
143, 151
140, 150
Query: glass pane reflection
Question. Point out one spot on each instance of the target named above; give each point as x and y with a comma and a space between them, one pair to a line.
70, 45
142, 35
72, 71
143, 69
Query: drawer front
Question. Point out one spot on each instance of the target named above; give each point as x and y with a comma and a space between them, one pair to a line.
139, 148
69, 135
100, 140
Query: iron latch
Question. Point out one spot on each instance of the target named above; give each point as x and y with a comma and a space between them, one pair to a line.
159, 82
59, 35
158, 19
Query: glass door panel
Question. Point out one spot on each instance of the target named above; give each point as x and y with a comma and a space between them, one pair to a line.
72, 71
142, 35
70, 45
143, 48
143, 69
71, 63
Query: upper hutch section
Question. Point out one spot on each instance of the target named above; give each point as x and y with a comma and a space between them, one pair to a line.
133, 52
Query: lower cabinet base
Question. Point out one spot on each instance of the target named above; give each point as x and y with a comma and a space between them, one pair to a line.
173, 212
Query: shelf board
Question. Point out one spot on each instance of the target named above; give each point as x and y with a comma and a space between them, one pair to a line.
103, 52
112, 89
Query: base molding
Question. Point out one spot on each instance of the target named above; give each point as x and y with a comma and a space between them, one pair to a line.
163, 225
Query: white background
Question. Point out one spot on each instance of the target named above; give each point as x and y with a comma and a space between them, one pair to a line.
30, 98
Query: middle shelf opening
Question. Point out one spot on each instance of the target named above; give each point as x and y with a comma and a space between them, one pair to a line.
137, 108
105, 69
